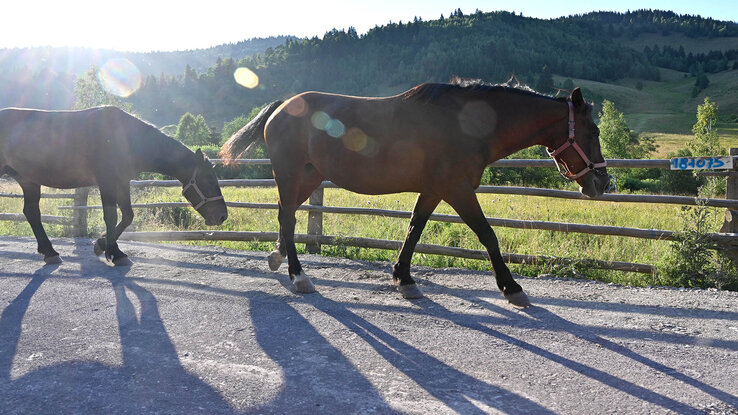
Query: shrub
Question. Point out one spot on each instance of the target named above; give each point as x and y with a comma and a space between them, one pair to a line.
694, 260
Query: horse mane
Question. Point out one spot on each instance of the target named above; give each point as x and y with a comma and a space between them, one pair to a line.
468, 88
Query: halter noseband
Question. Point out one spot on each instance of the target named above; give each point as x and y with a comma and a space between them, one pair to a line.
193, 184
571, 142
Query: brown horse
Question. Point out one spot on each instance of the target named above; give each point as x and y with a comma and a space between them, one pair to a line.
104, 146
435, 139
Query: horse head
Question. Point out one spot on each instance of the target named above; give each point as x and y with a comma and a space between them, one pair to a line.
203, 191
579, 158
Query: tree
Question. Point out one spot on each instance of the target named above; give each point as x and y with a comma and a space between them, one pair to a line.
230, 127
701, 83
88, 93
193, 131
619, 141
545, 82
706, 141
214, 137
614, 132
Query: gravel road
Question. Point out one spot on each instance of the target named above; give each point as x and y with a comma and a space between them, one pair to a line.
190, 330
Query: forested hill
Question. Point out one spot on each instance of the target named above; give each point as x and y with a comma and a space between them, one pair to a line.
43, 77
599, 46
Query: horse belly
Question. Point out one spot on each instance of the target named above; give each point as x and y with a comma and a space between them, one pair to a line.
60, 172
396, 168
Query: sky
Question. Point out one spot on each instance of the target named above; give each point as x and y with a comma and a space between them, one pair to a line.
166, 25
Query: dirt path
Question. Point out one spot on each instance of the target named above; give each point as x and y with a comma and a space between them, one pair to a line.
191, 330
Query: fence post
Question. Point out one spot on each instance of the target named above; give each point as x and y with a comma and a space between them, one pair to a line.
79, 216
730, 224
315, 221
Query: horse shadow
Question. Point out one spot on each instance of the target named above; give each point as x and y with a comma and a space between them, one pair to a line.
312, 364
319, 376
540, 318
151, 378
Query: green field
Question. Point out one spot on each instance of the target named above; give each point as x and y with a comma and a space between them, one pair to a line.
666, 108
534, 242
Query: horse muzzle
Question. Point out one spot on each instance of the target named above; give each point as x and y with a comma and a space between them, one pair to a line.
596, 183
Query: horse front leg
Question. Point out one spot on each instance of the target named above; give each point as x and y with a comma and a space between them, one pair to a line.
424, 206
31, 198
111, 198
465, 202
123, 200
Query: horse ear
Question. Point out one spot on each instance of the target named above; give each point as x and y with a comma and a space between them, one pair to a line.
199, 155
576, 97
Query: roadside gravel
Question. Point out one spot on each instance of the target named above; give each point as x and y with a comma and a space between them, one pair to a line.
208, 330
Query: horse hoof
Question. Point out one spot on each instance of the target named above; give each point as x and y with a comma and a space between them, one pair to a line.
54, 259
99, 250
275, 260
122, 262
410, 291
518, 299
302, 283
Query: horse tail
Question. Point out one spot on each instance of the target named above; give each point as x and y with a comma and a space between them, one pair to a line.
249, 136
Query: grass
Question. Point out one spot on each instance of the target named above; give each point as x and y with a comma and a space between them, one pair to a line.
667, 106
534, 242
665, 110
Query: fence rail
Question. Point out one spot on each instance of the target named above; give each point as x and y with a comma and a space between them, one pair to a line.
77, 222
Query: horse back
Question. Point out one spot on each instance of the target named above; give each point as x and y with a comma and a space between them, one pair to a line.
372, 145
63, 149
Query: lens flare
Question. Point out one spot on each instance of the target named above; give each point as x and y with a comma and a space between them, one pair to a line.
296, 107
335, 128
355, 140
246, 78
120, 77
320, 120
477, 119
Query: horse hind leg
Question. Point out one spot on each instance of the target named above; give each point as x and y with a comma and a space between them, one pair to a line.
31, 198
291, 195
465, 202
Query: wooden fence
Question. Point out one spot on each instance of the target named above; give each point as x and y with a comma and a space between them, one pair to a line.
727, 237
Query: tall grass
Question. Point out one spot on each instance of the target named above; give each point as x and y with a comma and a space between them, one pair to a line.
533, 242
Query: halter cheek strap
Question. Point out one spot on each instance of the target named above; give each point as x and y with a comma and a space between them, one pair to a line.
571, 142
193, 184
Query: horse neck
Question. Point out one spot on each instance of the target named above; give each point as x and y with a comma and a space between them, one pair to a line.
165, 155
542, 121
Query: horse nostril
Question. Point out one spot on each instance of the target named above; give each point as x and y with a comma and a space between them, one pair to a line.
223, 218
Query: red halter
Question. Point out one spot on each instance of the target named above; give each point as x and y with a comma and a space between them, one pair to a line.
571, 142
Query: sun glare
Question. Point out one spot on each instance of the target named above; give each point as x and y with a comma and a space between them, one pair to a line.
246, 78
119, 77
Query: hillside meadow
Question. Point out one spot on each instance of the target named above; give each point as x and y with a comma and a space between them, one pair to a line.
665, 109
533, 242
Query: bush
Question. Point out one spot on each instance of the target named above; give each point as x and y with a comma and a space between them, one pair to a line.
529, 176
238, 171
694, 260
180, 217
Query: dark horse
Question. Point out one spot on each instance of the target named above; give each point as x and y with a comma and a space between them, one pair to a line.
104, 146
435, 139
